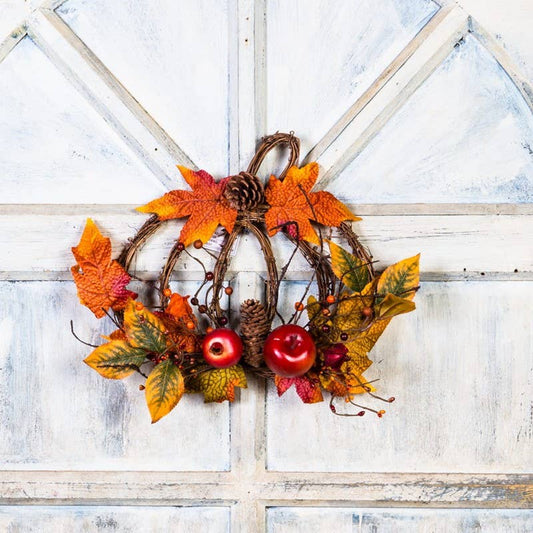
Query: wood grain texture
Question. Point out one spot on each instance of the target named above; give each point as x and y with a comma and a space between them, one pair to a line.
310, 85
464, 136
57, 149
293, 520
460, 367
165, 54
68, 417
54, 519
449, 244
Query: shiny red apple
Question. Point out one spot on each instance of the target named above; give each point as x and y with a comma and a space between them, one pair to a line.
222, 348
289, 351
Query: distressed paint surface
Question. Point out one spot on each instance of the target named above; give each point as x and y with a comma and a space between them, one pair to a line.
510, 25
458, 243
56, 148
460, 368
466, 135
87, 519
167, 53
308, 86
318, 520
57, 413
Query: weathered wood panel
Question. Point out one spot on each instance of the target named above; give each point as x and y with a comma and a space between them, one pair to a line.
460, 368
311, 520
464, 136
458, 243
310, 85
173, 58
54, 519
57, 413
55, 146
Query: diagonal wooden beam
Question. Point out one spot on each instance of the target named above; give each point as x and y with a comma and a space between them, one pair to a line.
108, 96
407, 72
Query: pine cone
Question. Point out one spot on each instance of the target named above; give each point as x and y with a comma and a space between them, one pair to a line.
244, 191
255, 327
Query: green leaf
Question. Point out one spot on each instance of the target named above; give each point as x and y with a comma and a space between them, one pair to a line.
116, 359
400, 279
394, 305
164, 389
351, 270
219, 384
144, 329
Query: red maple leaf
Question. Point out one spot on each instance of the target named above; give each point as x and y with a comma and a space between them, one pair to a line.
307, 387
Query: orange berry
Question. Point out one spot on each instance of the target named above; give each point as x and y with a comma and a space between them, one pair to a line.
326, 312
139, 306
197, 244
167, 292
209, 329
330, 299
141, 387
228, 291
190, 324
299, 306
367, 312
381, 413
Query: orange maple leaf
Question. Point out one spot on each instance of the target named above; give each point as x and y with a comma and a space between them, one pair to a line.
205, 206
101, 282
179, 307
291, 200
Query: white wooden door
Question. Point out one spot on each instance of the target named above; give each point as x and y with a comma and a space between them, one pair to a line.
420, 115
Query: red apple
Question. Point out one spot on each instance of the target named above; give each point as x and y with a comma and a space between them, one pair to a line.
289, 351
222, 348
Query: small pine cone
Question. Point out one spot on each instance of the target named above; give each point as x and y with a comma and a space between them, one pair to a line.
244, 192
255, 327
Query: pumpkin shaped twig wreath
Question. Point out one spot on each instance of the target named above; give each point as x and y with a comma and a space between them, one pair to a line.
179, 350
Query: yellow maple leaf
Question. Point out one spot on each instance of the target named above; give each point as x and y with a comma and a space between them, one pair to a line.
164, 388
143, 329
218, 385
401, 279
116, 359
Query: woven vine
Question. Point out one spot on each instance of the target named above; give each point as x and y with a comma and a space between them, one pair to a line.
350, 309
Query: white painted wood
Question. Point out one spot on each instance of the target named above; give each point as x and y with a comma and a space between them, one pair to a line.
509, 23
449, 244
244, 67
54, 519
464, 136
69, 418
463, 491
56, 149
378, 109
294, 520
12, 14
460, 369
310, 84
173, 58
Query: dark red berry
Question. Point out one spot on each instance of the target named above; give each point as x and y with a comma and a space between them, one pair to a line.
223, 320
202, 308
209, 276
180, 247
344, 336
325, 328
335, 355
194, 301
